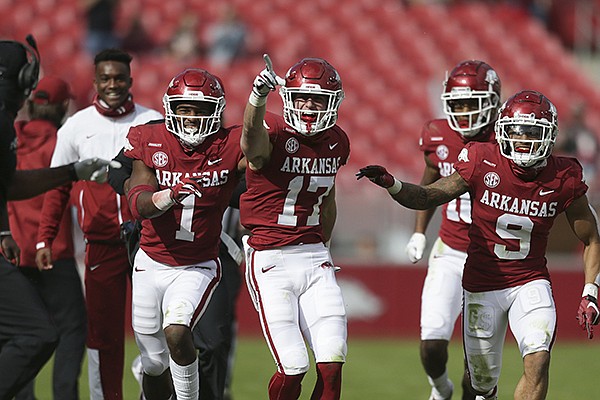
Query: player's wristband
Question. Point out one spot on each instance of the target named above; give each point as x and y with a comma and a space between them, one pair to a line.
256, 100
395, 188
590, 289
40, 245
132, 197
5, 233
162, 199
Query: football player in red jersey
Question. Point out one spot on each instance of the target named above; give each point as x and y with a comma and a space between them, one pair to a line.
517, 189
471, 99
289, 207
184, 172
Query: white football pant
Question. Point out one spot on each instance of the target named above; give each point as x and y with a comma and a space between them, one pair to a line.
164, 295
530, 312
295, 292
441, 298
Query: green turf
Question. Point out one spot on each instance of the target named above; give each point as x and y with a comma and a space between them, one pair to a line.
387, 369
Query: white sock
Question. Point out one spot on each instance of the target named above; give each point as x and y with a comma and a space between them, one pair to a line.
185, 380
442, 386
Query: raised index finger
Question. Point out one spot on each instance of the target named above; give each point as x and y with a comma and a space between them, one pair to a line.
268, 62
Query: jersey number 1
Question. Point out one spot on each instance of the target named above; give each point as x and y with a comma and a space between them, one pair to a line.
187, 215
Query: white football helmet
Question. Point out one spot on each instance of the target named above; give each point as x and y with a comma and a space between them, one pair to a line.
526, 128
190, 86
311, 76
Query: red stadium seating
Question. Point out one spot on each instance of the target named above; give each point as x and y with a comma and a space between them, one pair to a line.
392, 58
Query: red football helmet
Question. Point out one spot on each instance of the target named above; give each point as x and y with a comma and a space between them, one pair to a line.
526, 128
191, 86
312, 76
473, 81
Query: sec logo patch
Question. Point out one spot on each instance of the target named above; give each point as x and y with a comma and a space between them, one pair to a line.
442, 152
292, 145
491, 179
160, 159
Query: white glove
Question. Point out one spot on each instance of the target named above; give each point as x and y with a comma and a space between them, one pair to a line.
265, 82
416, 246
94, 169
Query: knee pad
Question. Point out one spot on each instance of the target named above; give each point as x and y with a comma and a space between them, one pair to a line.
332, 349
294, 362
535, 342
436, 326
179, 313
156, 364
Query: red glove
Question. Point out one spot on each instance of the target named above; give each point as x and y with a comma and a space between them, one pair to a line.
588, 314
184, 188
377, 174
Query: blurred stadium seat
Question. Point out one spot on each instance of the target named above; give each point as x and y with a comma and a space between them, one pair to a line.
391, 57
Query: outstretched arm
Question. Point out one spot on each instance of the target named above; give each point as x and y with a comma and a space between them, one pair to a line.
425, 197
415, 196
26, 184
30, 183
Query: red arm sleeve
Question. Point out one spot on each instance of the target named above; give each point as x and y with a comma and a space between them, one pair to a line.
55, 204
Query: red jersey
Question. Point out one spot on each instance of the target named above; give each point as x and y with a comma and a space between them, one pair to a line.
188, 233
282, 203
512, 217
35, 144
441, 145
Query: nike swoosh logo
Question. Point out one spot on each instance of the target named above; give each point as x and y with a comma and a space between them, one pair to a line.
545, 192
213, 162
89, 136
136, 269
267, 269
332, 146
93, 267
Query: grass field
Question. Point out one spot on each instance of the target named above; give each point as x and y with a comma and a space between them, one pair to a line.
387, 369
